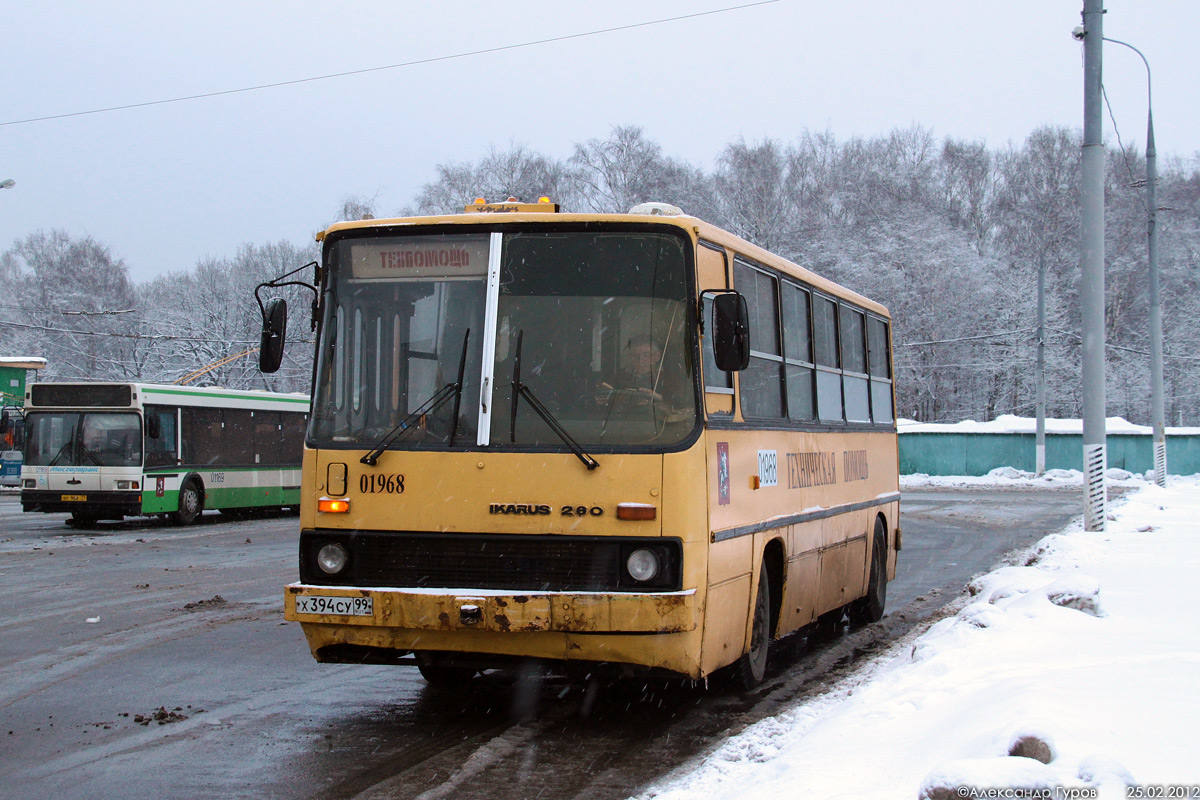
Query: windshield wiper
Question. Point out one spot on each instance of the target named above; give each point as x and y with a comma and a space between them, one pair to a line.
521, 390
428, 407
462, 368
62, 451
83, 451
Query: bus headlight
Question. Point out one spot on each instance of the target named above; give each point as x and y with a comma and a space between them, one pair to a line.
643, 565
332, 558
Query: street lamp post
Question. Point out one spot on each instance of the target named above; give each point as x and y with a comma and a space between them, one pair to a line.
1091, 284
1157, 412
1040, 434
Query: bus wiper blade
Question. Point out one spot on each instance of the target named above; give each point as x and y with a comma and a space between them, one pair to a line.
83, 451
458, 387
62, 451
521, 390
428, 407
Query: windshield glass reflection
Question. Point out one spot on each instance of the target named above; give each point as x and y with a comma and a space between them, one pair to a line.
83, 440
602, 315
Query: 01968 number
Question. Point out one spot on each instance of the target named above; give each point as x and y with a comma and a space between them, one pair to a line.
375, 484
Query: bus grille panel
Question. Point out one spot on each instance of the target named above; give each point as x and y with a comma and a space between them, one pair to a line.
483, 561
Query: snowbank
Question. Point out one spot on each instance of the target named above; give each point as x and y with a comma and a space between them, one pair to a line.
1015, 478
1007, 423
1075, 672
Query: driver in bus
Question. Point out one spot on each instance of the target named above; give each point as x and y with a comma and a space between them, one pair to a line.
645, 378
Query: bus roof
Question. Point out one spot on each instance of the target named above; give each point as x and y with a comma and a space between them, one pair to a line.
697, 228
170, 394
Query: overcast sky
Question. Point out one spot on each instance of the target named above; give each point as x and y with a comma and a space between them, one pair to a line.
167, 185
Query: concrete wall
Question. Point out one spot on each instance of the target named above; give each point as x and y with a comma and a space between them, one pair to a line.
980, 453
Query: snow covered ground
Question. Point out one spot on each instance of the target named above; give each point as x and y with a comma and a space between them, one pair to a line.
1087, 658
1008, 423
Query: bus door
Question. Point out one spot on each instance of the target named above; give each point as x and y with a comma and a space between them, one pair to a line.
730, 561
712, 272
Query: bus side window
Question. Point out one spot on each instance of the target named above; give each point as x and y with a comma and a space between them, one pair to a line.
161, 451
797, 337
291, 446
854, 365
203, 439
829, 373
239, 437
880, 369
267, 437
762, 382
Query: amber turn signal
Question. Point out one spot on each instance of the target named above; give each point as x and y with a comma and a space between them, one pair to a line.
331, 506
636, 511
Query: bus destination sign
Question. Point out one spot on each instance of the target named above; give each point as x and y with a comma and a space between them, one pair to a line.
421, 257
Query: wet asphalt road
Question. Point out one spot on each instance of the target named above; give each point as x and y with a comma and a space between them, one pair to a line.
105, 624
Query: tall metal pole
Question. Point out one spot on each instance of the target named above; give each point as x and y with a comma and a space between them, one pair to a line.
1157, 414
1041, 364
1158, 417
1091, 284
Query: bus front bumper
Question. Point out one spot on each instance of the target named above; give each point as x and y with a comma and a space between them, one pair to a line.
439, 610
100, 503
641, 630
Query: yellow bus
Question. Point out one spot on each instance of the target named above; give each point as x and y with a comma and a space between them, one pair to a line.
632, 440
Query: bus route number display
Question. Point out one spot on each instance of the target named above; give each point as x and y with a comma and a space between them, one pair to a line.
340, 606
420, 257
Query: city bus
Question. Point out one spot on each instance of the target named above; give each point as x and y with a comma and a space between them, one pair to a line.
492, 473
104, 451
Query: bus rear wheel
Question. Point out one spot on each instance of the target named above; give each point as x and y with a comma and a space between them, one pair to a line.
751, 668
191, 503
870, 608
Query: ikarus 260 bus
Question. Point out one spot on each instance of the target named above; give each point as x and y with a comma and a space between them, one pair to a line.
630, 439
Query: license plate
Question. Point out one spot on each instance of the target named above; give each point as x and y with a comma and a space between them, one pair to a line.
340, 606
74, 498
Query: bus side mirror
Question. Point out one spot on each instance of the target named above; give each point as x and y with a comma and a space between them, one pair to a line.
153, 426
274, 333
3, 423
731, 332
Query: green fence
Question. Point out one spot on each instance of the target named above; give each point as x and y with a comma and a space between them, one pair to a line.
979, 453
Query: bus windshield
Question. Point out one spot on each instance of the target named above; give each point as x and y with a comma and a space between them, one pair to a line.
590, 324
87, 439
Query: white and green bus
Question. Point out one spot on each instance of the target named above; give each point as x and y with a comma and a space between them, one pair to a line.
111, 450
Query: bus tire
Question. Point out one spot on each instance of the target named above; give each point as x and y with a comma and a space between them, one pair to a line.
869, 608
191, 502
751, 668
438, 672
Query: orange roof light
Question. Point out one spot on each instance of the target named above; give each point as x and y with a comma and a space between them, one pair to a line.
330, 506
512, 205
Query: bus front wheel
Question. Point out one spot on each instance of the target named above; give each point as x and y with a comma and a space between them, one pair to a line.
439, 671
751, 668
191, 503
